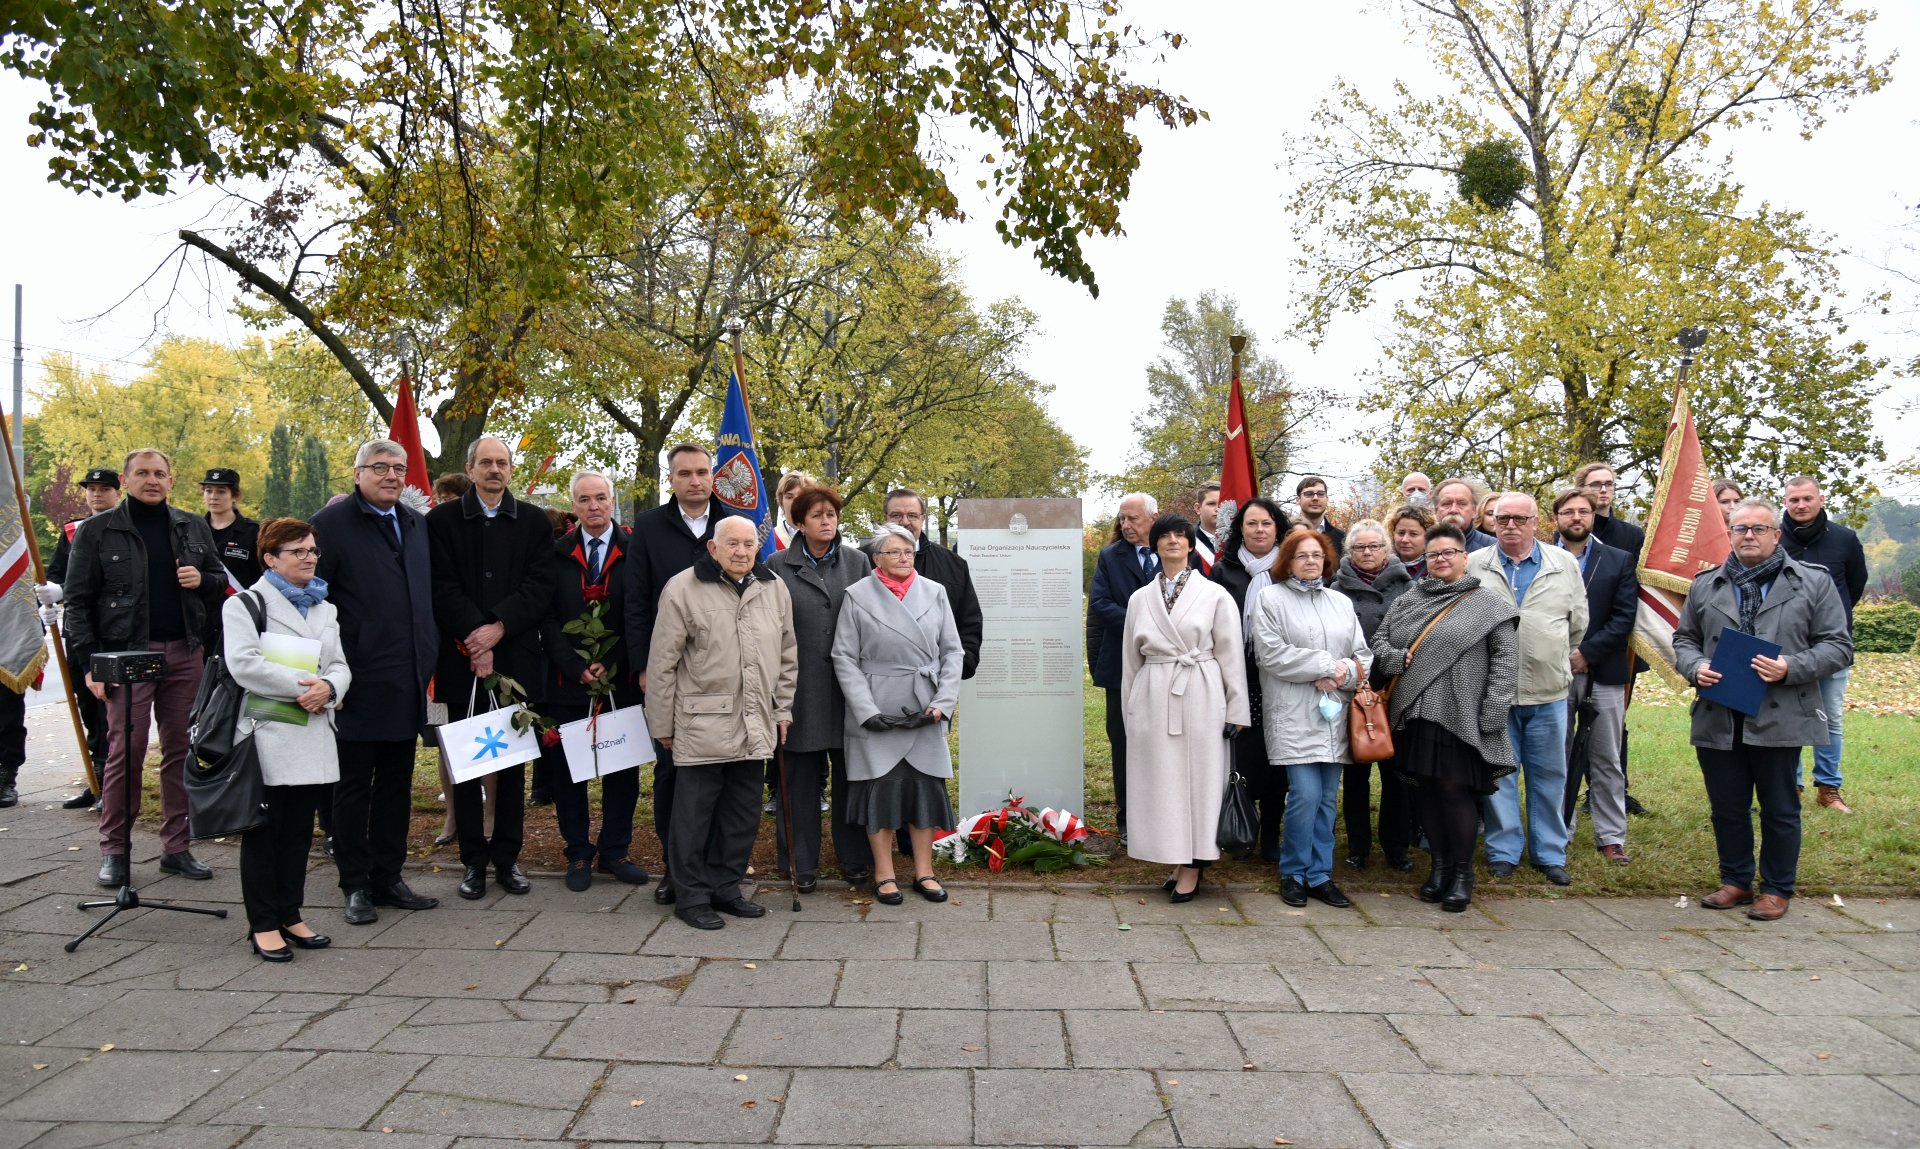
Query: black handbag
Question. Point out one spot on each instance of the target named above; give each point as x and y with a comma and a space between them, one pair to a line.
1239, 825
229, 797
216, 704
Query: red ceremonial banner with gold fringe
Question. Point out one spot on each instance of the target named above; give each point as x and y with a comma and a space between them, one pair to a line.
1685, 535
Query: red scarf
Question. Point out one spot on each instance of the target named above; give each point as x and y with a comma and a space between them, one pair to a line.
899, 587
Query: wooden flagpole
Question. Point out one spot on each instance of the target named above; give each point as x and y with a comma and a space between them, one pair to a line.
39, 576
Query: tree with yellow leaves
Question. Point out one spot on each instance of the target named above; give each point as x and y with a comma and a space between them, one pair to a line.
1543, 229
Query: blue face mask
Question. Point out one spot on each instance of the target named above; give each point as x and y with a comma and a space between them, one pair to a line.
1331, 707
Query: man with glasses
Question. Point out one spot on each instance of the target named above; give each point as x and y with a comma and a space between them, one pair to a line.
1810, 537
1545, 584
908, 508
1600, 480
1310, 494
1602, 667
374, 560
1744, 760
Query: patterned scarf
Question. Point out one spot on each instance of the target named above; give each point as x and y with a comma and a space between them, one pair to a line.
1170, 588
1751, 582
1260, 567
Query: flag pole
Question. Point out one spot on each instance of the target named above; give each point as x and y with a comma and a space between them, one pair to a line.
39, 576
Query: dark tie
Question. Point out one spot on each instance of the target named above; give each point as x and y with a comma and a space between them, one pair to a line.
593, 560
395, 520
1146, 561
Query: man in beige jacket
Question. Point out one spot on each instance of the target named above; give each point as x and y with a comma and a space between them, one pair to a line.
1545, 583
720, 681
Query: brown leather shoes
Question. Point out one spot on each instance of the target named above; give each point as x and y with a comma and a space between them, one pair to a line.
1830, 798
1615, 854
1727, 897
1768, 908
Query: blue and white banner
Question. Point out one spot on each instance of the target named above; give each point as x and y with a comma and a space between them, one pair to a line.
736, 464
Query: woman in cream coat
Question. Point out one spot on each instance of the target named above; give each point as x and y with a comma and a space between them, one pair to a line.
897, 654
1183, 677
297, 762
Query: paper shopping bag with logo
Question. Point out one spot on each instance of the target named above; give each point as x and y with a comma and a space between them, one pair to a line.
487, 742
618, 738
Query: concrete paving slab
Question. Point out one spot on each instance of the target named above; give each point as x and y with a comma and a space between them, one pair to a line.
814, 1037
332, 1091
1323, 1043
433, 1113
1366, 989
177, 965
1901, 915
160, 1019
1895, 950
767, 983
48, 963
477, 930
1800, 951
1820, 1045
1513, 992
1061, 985
1662, 949
1095, 941
1854, 1112
986, 941
572, 931
1673, 1113
1661, 915
1656, 1046
685, 1103
18, 1072
121, 1085
1309, 1110
953, 1038
459, 973
1178, 1039
837, 940
1068, 1107
657, 1033
1283, 946
1789, 992
1213, 986
1383, 908
1428, 1111
1491, 1044
33, 1011
1905, 1029
1570, 913
1394, 946
1900, 985
741, 938
325, 971
1043, 906
1529, 949
849, 1106
913, 984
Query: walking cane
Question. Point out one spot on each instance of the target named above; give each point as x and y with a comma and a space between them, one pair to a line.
786, 820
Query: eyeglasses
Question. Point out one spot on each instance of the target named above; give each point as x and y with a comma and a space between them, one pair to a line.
384, 468
904, 516
1752, 529
893, 553
1363, 547
1432, 555
1602, 486
299, 552
1513, 520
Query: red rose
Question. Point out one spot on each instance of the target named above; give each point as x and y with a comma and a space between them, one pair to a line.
550, 736
594, 593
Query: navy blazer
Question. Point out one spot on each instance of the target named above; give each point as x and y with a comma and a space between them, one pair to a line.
1613, 602
1115, 577
383, 590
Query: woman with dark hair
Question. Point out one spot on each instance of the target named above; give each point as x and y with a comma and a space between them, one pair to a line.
1407, 531
1726, 492
1183, 679
1312, 658
1244, 567
1452, 648
298, 758
1372, 578
818, 568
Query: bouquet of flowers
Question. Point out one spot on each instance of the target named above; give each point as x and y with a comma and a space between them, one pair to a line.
1046, 839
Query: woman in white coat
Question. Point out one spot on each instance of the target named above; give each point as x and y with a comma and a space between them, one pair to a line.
297, 762
897, 655
1313, 656
1184, 682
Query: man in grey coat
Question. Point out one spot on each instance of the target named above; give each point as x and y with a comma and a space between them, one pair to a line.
1761, 592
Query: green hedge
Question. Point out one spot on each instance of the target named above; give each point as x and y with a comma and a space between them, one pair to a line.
1886, 627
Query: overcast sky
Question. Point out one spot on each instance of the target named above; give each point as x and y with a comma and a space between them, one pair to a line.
1207, 212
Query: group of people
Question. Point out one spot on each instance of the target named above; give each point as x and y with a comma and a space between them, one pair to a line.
840, 665
1499, 638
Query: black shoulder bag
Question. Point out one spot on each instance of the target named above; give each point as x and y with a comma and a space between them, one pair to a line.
226, 793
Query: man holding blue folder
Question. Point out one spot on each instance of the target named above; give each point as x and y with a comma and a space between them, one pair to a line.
1758, 709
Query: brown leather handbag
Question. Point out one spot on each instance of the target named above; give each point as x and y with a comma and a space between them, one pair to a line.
1369, 734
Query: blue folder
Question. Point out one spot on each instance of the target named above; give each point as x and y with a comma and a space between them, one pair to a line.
1740, 687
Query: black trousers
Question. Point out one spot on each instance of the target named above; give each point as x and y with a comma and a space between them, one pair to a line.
509, 817
716, 814
1735, 780
1117, 739
809, 772
572, 805
1396, 810
372, 811
273, 858
663, 790
13, 732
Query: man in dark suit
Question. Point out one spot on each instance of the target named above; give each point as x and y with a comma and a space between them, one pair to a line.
493, 572
1602, 667
373, 556
908, 508
666, 541
591, 561
1126, 564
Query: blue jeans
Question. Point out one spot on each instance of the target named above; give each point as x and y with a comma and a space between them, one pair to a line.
1306, 843
1539, 737
1826, 759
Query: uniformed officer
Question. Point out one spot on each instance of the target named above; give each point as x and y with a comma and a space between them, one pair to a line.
101, 489
235, 535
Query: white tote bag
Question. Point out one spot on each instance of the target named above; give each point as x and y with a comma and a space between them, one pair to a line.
621, 737
479, 745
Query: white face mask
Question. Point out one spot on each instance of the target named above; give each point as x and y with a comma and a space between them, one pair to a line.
1331, 707
1417, 499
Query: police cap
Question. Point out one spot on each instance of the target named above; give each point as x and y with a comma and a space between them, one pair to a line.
222, 477
102, 477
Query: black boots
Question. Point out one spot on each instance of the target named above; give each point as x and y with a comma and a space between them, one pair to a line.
1460, 891
1436, 883
9, 792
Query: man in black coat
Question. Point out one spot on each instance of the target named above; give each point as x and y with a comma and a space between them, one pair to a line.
591, 563
1125, 565
1809, 536
374, 559
145, 576
667, 540
101, 489
1602, 667
493, 573
908, 508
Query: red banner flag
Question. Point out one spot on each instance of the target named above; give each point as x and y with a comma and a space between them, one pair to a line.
405, 430
1238, 481
1686, 534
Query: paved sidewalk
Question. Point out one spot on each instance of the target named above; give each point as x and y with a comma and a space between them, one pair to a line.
1011, 1018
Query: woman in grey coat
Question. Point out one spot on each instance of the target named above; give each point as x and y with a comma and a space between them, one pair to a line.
897, 654
1372, 576
1449, 703
818, 568
297, 759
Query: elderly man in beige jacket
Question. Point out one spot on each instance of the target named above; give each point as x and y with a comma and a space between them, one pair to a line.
1545, 583
720, 682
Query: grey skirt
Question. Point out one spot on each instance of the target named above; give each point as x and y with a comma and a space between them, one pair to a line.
904, 797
